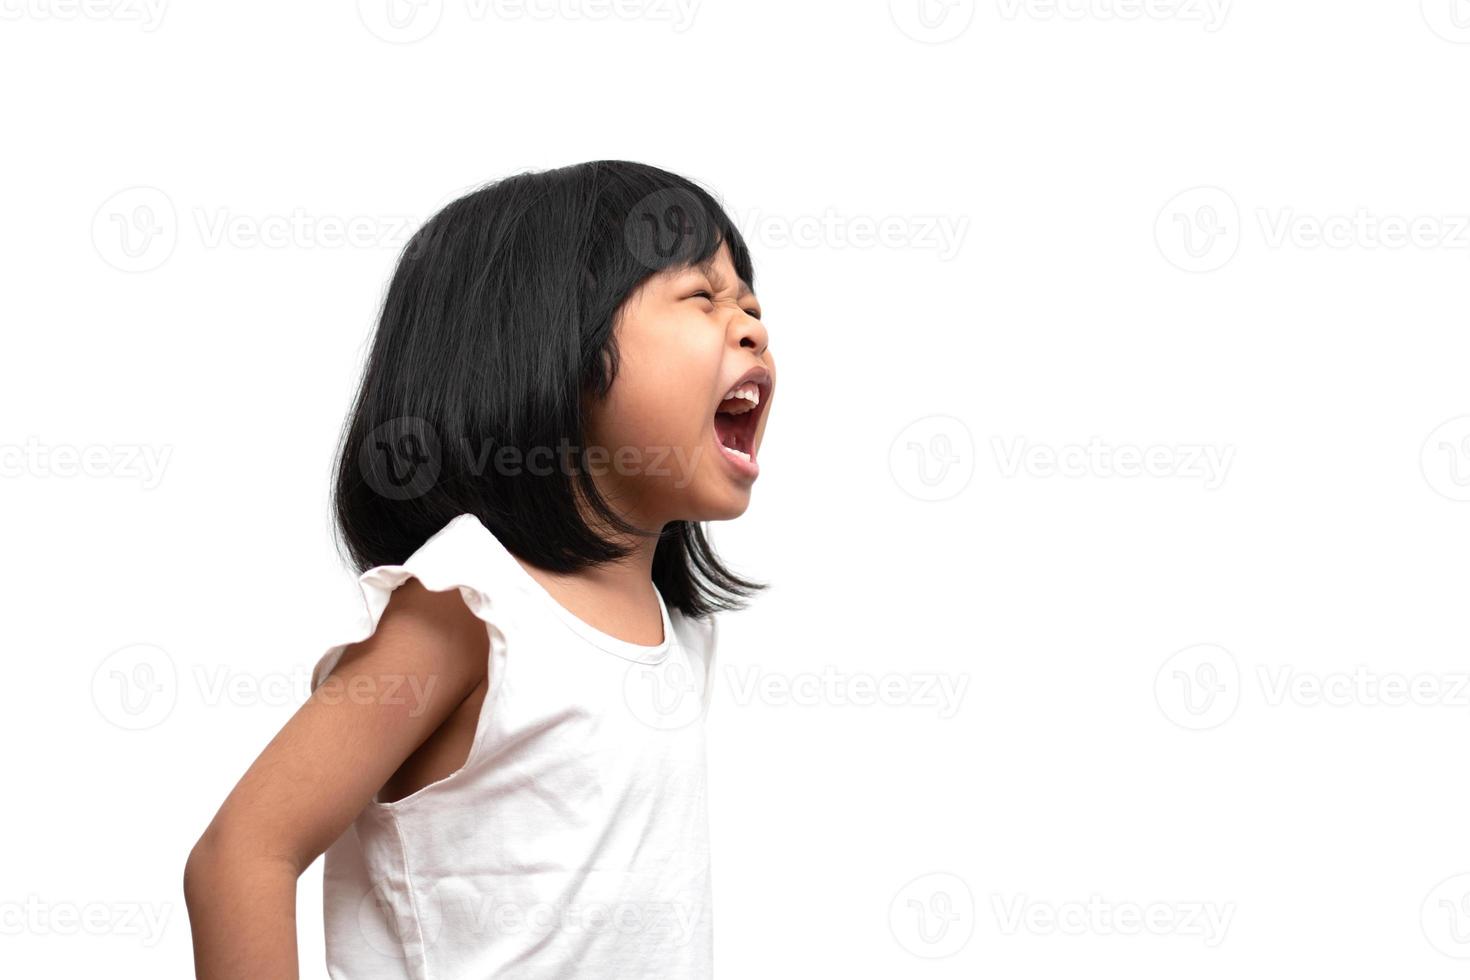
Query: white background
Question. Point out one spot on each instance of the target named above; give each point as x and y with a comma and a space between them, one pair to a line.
1228, 699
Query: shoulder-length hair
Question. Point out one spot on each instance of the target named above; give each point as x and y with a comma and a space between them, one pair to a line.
497, 322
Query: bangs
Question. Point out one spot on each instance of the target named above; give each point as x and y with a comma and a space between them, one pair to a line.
672, 228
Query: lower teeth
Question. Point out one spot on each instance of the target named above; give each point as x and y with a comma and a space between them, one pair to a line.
744, 456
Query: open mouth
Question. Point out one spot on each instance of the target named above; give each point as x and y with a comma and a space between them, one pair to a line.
738, 416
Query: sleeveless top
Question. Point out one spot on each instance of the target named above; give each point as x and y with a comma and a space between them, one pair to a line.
574, 840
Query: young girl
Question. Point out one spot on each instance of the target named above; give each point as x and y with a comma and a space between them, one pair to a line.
506, 767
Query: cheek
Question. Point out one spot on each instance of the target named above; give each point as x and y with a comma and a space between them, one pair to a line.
645, 416
662, 394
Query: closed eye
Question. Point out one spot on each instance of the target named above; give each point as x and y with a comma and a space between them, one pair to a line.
706, 294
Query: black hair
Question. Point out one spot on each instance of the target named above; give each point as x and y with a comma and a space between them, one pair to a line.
496, 325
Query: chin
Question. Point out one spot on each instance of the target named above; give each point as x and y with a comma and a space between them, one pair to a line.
717, 503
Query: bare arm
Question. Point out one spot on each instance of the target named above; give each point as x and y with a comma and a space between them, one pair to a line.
318, 773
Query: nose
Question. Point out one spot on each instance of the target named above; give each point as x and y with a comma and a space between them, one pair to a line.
752, 334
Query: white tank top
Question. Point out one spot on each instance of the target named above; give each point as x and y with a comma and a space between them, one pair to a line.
574, 841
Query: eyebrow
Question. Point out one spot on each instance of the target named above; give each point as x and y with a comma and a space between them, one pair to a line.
708, 268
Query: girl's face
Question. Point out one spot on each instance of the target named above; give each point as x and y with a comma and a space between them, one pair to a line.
677, 447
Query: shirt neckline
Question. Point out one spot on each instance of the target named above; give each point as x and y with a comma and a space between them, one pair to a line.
604, 641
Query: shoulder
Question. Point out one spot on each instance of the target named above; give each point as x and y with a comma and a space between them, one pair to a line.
427, 613
421, 633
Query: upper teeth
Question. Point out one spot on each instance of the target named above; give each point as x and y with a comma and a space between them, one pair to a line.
749, 391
